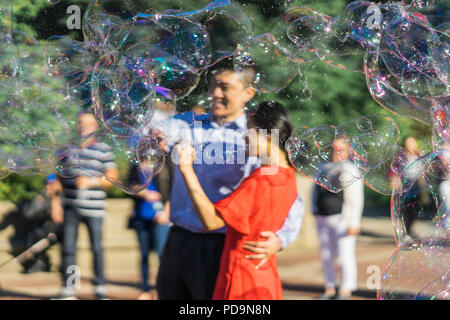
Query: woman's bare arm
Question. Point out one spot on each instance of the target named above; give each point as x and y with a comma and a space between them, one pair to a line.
204, 208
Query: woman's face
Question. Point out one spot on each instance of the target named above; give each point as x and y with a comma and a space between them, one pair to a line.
256, 141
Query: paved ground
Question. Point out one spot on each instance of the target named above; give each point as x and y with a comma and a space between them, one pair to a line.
299, 264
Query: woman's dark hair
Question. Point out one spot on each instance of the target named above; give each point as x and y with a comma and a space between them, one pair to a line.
271, 115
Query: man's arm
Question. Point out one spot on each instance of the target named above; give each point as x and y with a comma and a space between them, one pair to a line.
85, 182
279, 240
353, 205
290, 231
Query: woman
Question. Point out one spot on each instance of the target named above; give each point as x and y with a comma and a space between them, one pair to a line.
261, 202
150, 220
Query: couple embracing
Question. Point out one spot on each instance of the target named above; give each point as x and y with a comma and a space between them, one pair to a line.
229, 218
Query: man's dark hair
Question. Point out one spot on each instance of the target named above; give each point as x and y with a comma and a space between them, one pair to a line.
247, 74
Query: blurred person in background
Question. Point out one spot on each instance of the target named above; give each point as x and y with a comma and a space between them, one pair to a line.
151, 214
46, 217
444, 188
413, 196
338, 217
84, 201
412, 155
150, 220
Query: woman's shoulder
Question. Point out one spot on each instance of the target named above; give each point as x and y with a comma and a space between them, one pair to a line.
273, 175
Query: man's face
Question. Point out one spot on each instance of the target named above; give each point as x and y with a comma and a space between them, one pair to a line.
87, 124
51, 187
229, 94
341, 150
411, 144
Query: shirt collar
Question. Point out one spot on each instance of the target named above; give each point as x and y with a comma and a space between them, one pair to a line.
238, 123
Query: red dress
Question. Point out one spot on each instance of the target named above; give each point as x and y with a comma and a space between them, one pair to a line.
260, 203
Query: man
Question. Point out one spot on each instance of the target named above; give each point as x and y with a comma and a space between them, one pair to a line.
46, 217
338, 217
191, 257
84, 201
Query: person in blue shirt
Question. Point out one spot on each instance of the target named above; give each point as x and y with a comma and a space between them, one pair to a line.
191, 257
151, 222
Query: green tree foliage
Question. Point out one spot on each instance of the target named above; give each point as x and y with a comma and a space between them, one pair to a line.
17, 188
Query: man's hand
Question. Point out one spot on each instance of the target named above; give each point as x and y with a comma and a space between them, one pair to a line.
263, 249
57, 212
162, 217
186, 156
353, 231
83, 182
152, 196
161, 138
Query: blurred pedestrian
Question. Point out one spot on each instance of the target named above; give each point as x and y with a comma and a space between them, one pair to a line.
46, 217
444, 188
413, 194
338, 217
84, 201
150, 220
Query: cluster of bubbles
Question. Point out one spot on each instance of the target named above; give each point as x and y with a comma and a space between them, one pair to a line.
405, 61
427, 254
135, 63
131, 68
372, 143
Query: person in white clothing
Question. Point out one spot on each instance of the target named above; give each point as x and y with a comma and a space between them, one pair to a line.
338, 217
444, 189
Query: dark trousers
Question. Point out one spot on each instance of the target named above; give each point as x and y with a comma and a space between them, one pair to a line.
70, 235
150, 236
189, 265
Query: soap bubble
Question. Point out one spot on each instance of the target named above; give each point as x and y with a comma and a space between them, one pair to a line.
186, 40
413, 274
365, 148
310, 149
427, 248
385, 90
273, 69
108, 22
425, 251
374, 140
309, 29
138, 159
441, 121
440, 54
166, 70
227, 26
404, 39
295, 52
73, 63
123, 98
